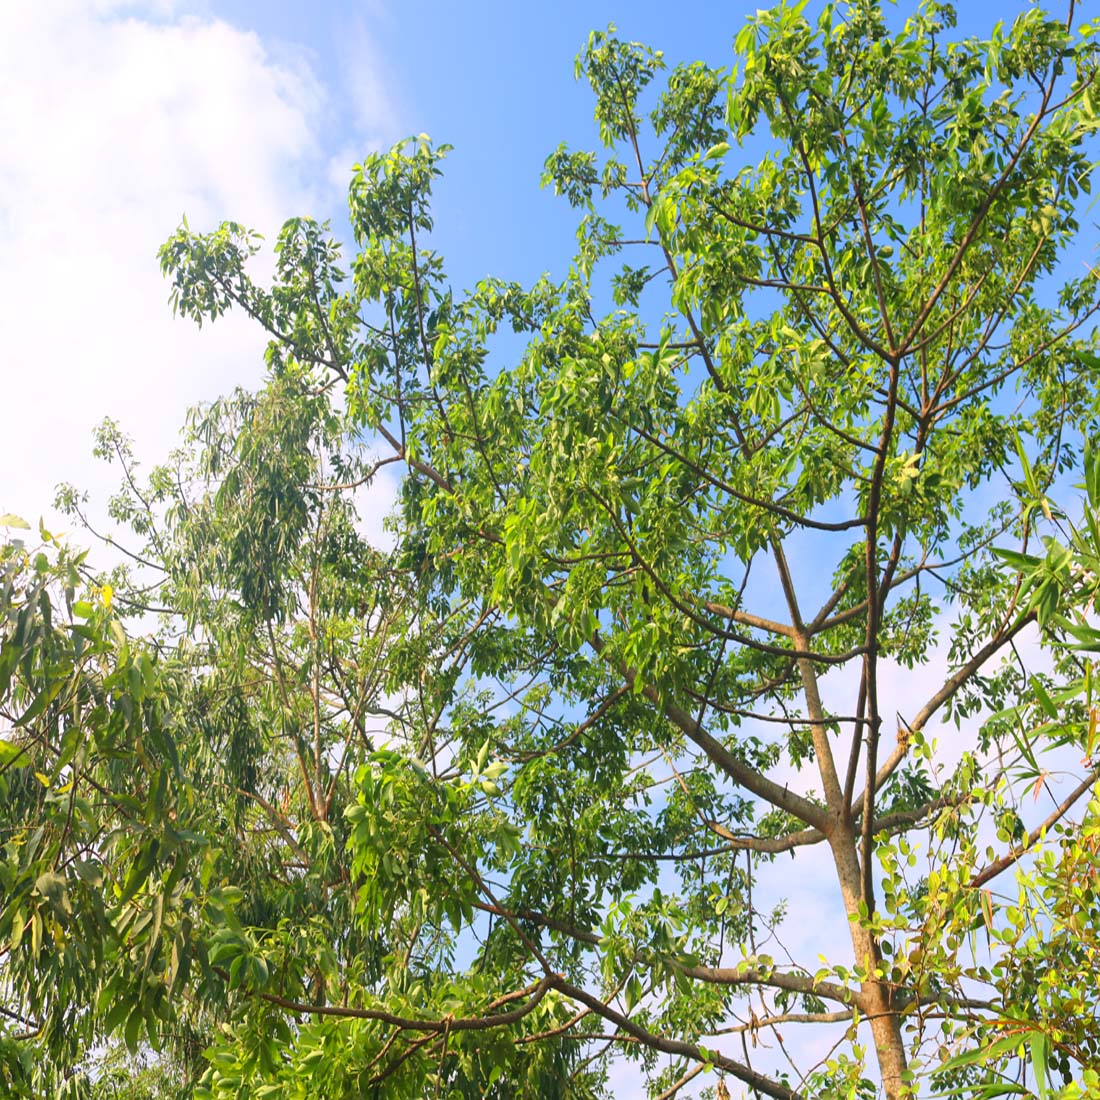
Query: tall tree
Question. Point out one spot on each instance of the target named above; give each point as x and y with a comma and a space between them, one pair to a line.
649, 569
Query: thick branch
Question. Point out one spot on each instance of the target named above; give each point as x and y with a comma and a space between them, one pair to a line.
1036, 834
775, 979
736, 769
751, 1078
949, 688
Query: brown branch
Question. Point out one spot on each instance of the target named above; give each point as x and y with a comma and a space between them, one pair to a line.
752, 780
976, 224
950, 686
411, 1023
774, 979
769, 506
745, 618
743, 1073
767, 844
481, 884
754, 1025
553, 923
1032, 838
679, 1083
874, 618
600, 712
803, 654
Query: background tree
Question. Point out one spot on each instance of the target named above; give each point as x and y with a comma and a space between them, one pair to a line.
655, 548
177, 835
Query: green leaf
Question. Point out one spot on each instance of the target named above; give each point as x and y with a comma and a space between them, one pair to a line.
139, 870
1045, 701
981, 1055
1025, 464
132, 1033
1039, 1062
50, 885
10, 753
1025, 563
18, 924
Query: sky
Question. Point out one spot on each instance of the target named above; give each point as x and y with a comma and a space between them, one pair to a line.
121, 116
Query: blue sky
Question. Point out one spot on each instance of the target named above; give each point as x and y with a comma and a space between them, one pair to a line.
495, 80
122, 115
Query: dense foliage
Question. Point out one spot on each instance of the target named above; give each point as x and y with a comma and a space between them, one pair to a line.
484, 809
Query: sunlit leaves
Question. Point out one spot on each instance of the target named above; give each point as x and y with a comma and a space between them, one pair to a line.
795, 411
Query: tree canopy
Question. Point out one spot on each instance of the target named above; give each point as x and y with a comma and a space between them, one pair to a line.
493, 806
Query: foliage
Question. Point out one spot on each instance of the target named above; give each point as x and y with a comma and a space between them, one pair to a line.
489, 812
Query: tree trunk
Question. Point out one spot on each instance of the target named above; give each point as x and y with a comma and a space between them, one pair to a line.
875, 994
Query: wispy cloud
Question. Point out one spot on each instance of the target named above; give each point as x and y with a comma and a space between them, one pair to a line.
365, 84
120, 117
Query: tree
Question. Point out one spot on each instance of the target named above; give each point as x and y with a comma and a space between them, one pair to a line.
643, 574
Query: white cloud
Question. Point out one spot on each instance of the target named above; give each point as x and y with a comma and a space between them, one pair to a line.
118, 118
365, 92
364, 77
